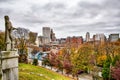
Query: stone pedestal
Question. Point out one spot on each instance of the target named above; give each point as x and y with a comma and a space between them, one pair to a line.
8, 44
9, 65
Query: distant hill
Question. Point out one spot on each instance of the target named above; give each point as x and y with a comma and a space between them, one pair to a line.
30, 72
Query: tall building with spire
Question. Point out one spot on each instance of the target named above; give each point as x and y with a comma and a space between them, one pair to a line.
87, 37
53, 38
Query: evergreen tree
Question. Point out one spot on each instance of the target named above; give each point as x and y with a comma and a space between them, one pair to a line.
106, 68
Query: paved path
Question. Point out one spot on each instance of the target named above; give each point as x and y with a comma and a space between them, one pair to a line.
85, 77
81, 77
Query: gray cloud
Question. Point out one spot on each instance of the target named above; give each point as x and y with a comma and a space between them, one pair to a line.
3, 1
51, 6
110, 4
5, 12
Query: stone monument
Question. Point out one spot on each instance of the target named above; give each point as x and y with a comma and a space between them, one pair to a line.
9, 57
8, 34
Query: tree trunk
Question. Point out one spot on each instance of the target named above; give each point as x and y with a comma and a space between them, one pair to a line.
77, 77
51, 67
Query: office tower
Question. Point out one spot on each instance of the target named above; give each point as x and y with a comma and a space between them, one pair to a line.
87, 37
46, 34
99, 38
113, 37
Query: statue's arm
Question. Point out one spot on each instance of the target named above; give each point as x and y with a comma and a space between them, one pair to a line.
13, 28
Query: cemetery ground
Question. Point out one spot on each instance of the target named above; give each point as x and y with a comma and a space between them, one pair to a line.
31, 72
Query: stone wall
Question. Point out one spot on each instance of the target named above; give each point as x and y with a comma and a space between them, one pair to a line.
9, 65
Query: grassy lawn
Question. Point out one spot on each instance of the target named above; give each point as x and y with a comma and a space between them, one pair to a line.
30, 72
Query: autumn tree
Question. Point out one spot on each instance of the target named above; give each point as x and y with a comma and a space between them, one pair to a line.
32, 37
81, 58
66, 59
67, 65
115, 70
2, 38
100, 55
60, 60
112, 50
52, 59
21, 37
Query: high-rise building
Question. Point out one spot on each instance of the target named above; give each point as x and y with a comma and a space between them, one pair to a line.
53, 38
41, 40
113, 37
87, 37
99, 38
46, 34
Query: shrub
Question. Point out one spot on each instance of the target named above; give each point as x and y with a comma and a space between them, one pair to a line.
35, 62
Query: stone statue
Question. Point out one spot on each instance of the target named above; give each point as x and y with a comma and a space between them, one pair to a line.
8, 34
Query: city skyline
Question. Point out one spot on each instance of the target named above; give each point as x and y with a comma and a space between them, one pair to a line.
70, 18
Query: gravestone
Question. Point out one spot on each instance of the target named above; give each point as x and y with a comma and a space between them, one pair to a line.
9, 57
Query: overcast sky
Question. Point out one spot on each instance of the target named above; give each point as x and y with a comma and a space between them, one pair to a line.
65, 17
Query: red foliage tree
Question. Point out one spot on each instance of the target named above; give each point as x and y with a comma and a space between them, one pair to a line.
115, 71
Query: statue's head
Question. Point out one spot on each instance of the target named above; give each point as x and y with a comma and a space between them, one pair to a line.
6, 17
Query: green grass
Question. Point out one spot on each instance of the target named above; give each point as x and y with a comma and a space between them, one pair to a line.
30, 72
